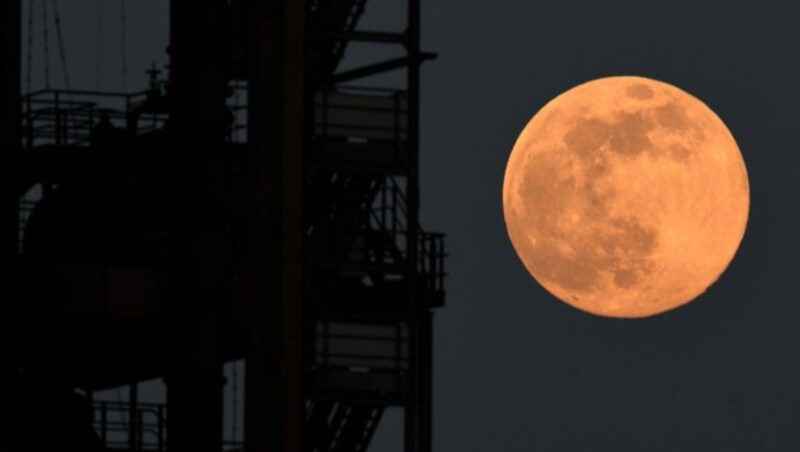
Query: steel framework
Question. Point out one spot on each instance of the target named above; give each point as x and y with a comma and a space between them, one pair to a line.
256, 204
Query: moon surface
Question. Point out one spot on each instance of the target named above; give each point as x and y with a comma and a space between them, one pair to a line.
626, 197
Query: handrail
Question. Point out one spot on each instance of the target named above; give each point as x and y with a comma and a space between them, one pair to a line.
146, 430
113, 425
334, 347
71, 112
85, 93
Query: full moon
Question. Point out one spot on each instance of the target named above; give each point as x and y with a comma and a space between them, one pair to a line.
626, 197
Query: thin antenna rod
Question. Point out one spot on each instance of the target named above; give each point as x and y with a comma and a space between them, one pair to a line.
46, 46
61, 51
29, 75
124, 45
99, 45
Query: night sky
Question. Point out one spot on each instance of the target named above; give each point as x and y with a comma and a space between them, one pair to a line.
516, 370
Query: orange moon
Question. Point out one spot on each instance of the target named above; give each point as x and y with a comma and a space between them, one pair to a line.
626, 197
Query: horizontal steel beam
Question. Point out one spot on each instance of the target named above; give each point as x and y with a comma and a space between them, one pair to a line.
378, 68
368, 36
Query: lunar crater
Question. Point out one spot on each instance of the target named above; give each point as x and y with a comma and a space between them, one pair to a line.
631, 134
639, 91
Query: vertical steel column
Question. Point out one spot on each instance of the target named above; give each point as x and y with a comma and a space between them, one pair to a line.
197, 132
10, 129
418, 409
197, 78
194, 386
9, 211
274, 389
134, 428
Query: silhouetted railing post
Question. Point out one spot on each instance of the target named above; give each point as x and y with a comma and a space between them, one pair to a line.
133, 425
28, 123
160, 428
128, 128
397, 136
103, 423
57, 106
139, 430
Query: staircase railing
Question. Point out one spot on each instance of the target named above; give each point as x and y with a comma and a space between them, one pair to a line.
388, 214
25, 208
71, 117
67, 118
141, 427
352, 345
138, 428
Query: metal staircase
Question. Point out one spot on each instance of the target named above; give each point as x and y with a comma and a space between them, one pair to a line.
132, 427
375, 274
345, 427
332, 19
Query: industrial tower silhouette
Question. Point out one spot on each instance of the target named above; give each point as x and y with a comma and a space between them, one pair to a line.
255, 204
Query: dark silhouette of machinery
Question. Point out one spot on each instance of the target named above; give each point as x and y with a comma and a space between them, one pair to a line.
257, 204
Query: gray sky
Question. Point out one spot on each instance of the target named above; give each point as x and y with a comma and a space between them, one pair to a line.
516, 370
93, 47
